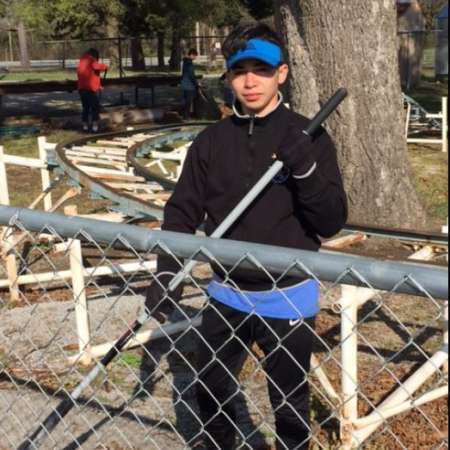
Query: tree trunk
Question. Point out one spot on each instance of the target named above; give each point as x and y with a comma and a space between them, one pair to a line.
137, 54
351, 43
23, 45
113, 51
175, 55
161, 50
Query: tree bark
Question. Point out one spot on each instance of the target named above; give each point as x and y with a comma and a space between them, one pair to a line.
175, 55
23, 45
161, 50
113, 51
137, 54
351, 43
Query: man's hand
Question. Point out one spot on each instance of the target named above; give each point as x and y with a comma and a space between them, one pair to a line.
296, 152
159, 302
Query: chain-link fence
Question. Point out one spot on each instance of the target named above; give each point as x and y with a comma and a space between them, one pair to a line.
423, 56
214, 377
120, 52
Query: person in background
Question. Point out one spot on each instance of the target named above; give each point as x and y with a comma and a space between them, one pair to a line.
89, 86
189, 83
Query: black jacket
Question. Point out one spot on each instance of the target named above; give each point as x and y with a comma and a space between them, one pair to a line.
225, 162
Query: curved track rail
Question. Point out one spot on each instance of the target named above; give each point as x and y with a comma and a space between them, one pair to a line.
116, 167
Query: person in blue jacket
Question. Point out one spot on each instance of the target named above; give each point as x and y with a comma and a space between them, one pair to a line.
189, 83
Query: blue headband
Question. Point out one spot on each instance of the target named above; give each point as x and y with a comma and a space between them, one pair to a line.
258, 49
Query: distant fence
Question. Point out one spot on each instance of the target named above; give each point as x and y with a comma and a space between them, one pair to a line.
64, 54
380, 351
421, 53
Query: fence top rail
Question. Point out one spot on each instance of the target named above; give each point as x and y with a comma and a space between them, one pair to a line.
401, 277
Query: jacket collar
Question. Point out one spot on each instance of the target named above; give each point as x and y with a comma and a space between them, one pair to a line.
240, 115
257, 119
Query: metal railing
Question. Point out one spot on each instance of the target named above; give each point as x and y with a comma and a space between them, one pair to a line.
380, 344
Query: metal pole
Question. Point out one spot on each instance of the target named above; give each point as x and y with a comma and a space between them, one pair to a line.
401, 277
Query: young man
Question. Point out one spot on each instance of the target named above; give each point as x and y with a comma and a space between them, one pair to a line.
305, 201
189, 83
89, 86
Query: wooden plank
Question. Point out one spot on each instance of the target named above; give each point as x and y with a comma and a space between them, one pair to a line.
101, 150
4, 192
79, 293
114, 217
346, 241
45, 174
163, 196
71, 193
135, 186
100, 170
76, 159
100, 156
113, 143
24, 162
124, 176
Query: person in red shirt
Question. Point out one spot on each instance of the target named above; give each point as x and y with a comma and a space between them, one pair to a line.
89, 86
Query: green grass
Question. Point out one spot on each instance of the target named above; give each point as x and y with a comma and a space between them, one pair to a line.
69, 74
59, 75
27, 146
430, 168
130, 360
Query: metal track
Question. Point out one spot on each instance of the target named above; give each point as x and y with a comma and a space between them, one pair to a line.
110, 166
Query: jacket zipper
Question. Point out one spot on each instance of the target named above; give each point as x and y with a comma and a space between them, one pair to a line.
251, 156
251, 126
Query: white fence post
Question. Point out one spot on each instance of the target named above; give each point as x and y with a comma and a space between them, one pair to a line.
445, 124
8, 241
79, 293
45, 174
349, 322
445, 332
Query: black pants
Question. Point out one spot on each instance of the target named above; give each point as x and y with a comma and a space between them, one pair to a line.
189, 98
226, 337
91, 106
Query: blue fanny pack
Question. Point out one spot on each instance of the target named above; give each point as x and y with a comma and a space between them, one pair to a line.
293, 303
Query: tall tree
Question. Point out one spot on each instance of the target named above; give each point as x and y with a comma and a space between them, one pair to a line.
430, 9
354, 44
259, 9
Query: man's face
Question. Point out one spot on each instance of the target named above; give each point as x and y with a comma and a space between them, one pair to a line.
256, 84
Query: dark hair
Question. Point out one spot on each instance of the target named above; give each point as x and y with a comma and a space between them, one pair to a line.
193, 52
238, 38
94, 53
